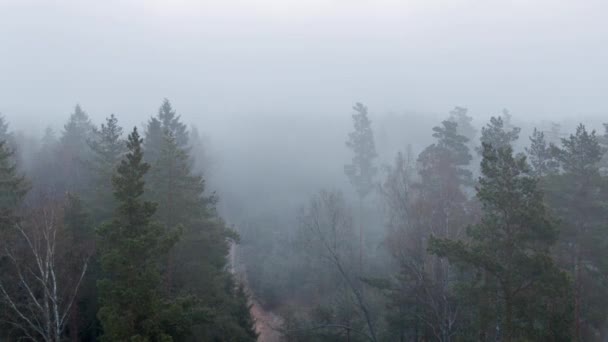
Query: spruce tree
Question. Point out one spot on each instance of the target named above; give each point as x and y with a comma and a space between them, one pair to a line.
46, 171
5, 134
361, 171
13, 187
74, 151
197, 265
171, 123
131, 246
509, 251
166, 122
107, 147
154, 140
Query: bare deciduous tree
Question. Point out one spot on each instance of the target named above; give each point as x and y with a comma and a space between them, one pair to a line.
329, 224
40, 285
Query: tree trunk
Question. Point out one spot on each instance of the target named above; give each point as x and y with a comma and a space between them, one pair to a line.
360, 235
508, 317
577, 294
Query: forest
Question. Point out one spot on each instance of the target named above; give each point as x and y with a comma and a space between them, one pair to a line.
303, 171
113, 234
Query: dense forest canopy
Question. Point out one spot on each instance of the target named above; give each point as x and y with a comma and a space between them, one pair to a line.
303, 171
113, 234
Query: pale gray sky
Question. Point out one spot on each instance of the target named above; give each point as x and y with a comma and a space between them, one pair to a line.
228, 57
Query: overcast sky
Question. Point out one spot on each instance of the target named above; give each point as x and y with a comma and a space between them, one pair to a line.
221, 58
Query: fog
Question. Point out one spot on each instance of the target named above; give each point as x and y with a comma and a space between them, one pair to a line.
218, 59
270, 86
227, 64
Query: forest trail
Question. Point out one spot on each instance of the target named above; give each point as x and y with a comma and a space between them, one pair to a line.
266, 322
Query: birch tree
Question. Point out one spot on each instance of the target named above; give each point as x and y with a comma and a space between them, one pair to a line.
38, 287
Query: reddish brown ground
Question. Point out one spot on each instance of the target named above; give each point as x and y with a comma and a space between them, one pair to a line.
266, 323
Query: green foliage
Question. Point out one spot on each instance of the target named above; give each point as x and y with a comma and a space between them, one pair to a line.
445, 161
107, 149
74, 151
13, 187
509, 248
166, 123
579, 197
499, 133
133, 307
197, 265
540, 156
465, 123
361, 171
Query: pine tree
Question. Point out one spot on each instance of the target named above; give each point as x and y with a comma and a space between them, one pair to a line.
5, 133
459, 115
203, 161
446, 160
578, 195
178, 191
131, 247
361, 171
74, 150
107, 149
13, 187
498, 133
170, 122
439, 207
197, 266
154, 140
540, 156
166, 122
46, 172
510, 250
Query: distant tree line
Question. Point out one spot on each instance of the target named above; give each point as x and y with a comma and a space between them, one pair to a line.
481, 242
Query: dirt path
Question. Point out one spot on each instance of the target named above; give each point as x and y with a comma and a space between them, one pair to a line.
266, 322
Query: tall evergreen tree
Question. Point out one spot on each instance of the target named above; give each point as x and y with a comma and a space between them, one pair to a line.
171, 122
361, 171
578, 195
13, 187
459, 115
539, 153
197, 266
166, 122
439, 207
74, 150
154, 140
498, 133
446, 160
131, 247
510, 252
45, 173
107, 147
5, 133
